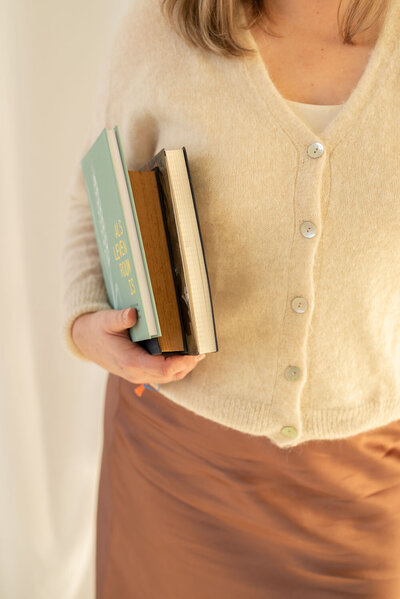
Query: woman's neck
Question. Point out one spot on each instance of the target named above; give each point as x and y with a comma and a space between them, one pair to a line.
316, 19
309, 65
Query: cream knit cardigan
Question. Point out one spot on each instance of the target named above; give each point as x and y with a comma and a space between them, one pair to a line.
301, 231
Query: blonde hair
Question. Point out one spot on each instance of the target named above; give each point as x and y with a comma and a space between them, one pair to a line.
214, 24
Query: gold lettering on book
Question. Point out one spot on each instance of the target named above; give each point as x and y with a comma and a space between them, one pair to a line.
120, 250
132, 286
119, 231
125, 268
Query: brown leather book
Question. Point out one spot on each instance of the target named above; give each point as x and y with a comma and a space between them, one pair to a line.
151, 221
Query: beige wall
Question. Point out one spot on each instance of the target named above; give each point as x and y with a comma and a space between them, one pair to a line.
51, 404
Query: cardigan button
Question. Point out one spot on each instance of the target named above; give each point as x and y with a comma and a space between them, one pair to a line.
289, 431
292, 373
299, 304
308, 229
315, 150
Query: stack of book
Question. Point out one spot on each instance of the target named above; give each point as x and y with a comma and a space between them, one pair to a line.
150, 246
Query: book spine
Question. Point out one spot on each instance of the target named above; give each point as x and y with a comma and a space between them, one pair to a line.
164, 212
142, 250
159, 162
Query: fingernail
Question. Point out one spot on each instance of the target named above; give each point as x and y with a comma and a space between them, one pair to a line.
198, 358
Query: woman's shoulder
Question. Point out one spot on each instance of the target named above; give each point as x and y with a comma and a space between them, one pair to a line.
146, 46
143, 28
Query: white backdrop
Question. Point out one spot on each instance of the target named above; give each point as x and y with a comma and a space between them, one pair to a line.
51, 404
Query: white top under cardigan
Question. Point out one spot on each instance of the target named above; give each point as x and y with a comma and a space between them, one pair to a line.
317, 116
300, 229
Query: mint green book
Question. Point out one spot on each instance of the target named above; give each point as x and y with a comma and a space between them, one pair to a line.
117, 230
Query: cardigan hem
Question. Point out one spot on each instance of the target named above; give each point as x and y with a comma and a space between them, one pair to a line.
250, 417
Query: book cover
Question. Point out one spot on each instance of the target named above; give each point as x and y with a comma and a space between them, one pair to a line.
146, 194
202, 246
110, 226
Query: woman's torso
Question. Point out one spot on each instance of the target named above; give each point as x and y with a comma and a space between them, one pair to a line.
255, 184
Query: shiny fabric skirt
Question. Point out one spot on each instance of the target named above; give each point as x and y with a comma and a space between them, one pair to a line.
191, 509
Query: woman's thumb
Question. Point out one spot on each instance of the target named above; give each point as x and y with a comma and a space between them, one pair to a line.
122, 319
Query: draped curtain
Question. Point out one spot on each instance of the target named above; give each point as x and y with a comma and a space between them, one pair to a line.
51, 404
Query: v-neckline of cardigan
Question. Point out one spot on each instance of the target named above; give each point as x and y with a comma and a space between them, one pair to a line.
354, 107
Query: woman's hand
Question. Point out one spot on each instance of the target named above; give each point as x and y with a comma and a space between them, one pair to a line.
103, 338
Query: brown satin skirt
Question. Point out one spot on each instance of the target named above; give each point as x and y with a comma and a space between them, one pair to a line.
191, 509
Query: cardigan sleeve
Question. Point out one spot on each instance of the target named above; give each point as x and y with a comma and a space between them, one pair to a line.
121, 100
